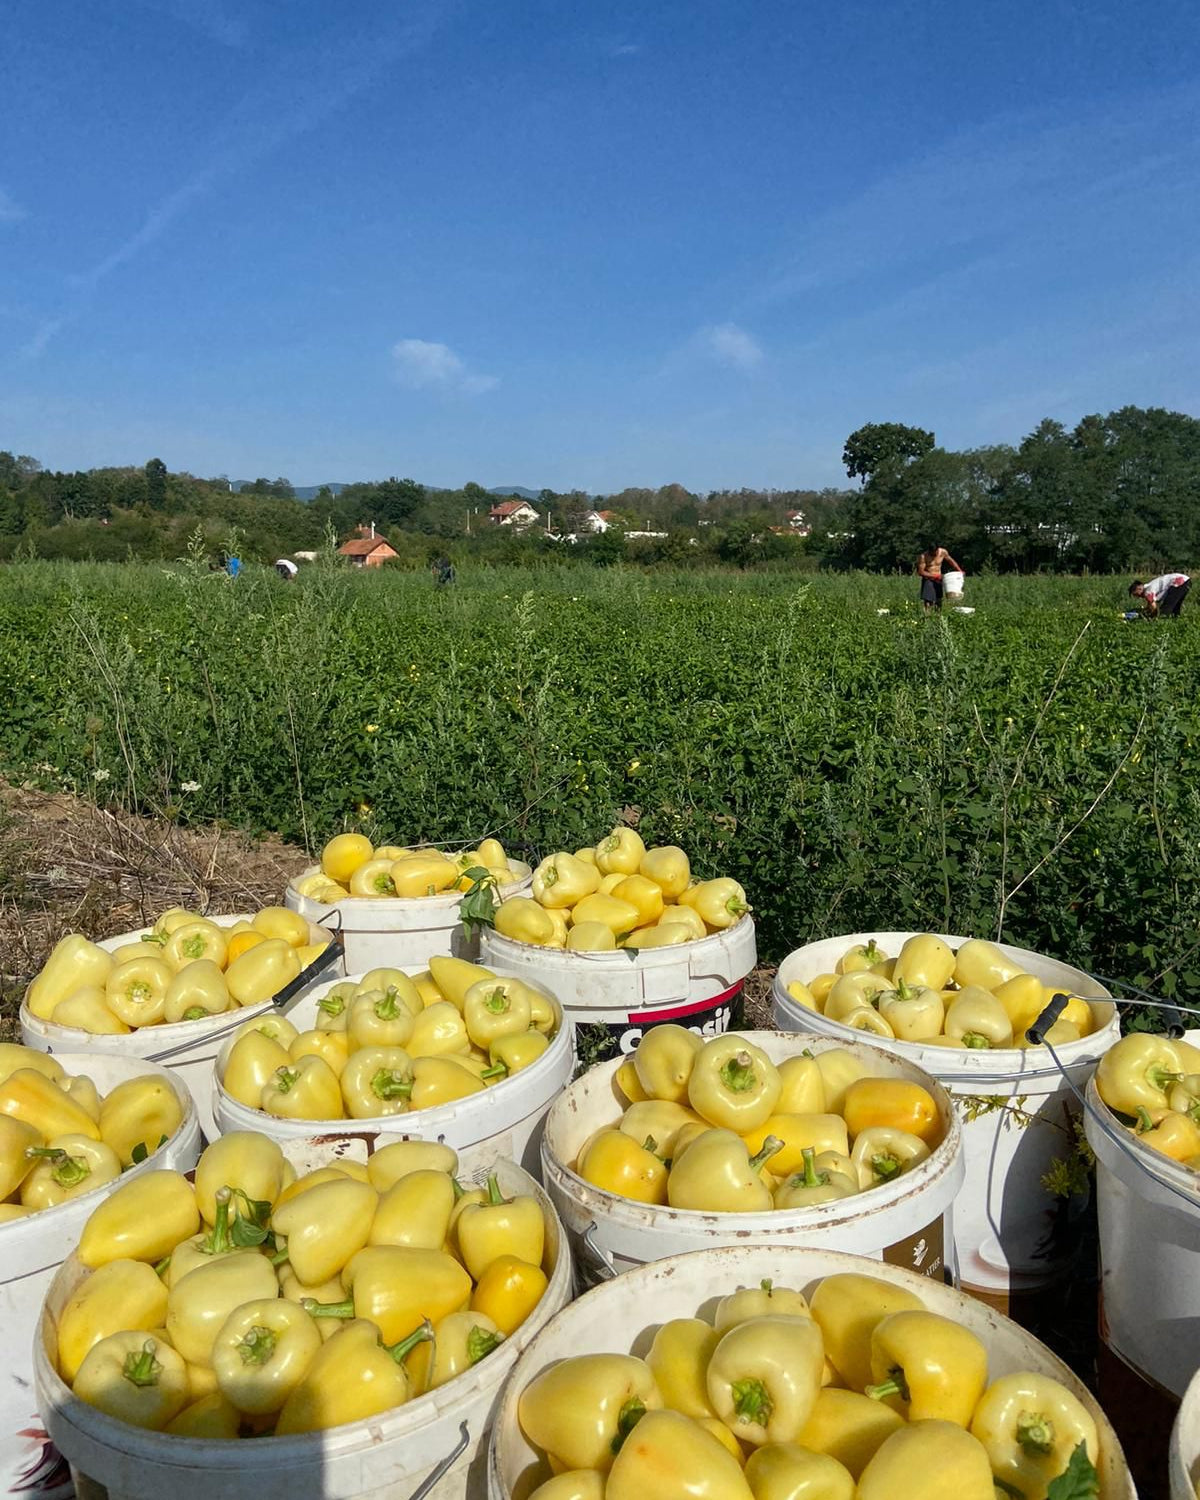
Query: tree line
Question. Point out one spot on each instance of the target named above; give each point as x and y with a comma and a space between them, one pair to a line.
1115, 492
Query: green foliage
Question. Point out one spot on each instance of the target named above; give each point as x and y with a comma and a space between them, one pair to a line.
884, 446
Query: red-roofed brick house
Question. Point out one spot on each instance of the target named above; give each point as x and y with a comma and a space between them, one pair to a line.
366, 550
512, 513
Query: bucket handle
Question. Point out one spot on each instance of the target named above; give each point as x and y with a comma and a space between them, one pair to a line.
427, 1484
604, 1263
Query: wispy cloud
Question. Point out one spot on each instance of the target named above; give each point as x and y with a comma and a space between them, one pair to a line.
11, 211
422, 365
624, 49
730, 345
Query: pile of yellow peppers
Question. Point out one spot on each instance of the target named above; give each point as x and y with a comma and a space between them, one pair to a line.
717, 1126
862, 1394
619, 894
59, 1138
257, 1302
1155, 1082
185, 968
391, 1044
976, 997
351, 866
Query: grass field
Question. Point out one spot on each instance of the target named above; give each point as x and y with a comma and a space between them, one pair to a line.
1030, 769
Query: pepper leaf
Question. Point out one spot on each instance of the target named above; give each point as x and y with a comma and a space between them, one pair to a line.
1078, 1481
250, 1228
478, 905
141, 1151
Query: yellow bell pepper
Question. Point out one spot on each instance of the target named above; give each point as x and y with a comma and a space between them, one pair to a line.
68, 1167
332, 1047
861, 956
620, 852
87, 1010
305, 1088
415, 1211
717, 1174
803, 1088
643, 895
1031, 1425
1176, 1136
74, 964
513, 1053
678, 1359
29, 1095
214, 1244
397, 1288
196, 992
591, 937
135, 1378
326, 1228
1023, 999
508, 1291
333, 1007
881, 1154
455, 976
839, 1069
658, 1118
665, 935
801, 993
669, 1454
894, 1102
720, 903
764, 1376
278, 922
138, 1116
459, 1342
198, 1305
853, 990
244, 1161
924, 961
766, 1300
572, 1484
797, 1134
170, 921
143, 1220
978, 1020
388, 1165
195, 941
864, 1018
664, 1060
914, 1013
608, 884
620, 917
376, 1081
627, 1084
123, 1296
668, 867
375, 880
496, 1008
17, 1139
211, 1419
686, 917
783, 1470
344, 854
582, 1409
981, 963
439, 1031
425, 987
950, 1463
616, 1163
242, 942
136, 992
734, 1084
352, 1377
418, 875
817, 1181
849, 1427
847, 1307
262, 972
378, 1018
295, 1290
1138, 1072
561, 880
84, 1092
501, 1226
926, 1367
318, 1175
442, 1080
262, 1352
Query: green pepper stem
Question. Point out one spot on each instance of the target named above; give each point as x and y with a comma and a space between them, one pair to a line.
481, 1342
1144, 1122
331, 1005
810, 1177
459, 1190
422, 1335
317, 1309
140, 1367
738, 1074
389, 1083
497, 1003
752, 1401
885, 1166
218, 1241
894, 1385
976, 1041
765, 1285
627, 1419
497, 1070
66, 1170
257, 1346
770, 1146
194, 1013
285, 1078
388, 1008
1035, 1432
495, 1197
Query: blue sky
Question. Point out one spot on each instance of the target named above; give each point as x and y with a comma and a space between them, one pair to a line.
547, 242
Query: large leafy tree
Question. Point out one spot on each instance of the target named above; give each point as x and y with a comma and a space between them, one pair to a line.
883, 446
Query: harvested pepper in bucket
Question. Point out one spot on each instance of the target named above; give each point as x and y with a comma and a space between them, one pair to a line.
781, 1406
295, 1305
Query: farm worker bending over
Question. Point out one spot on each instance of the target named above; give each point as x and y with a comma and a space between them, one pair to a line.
929, 570
286, 569
1163, 595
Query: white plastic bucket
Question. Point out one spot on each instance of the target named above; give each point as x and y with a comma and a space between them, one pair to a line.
952, 584
433, 1447
1017, 1118
1184, 1458
908, 1222
621, 1317
188, 1048
399, 933
31, 1250
508, 1116
1149, 1210
614, 998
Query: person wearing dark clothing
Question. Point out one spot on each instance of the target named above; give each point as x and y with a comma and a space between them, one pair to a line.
929, 570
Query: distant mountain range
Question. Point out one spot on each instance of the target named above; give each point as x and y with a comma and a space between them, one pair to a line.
311, 491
